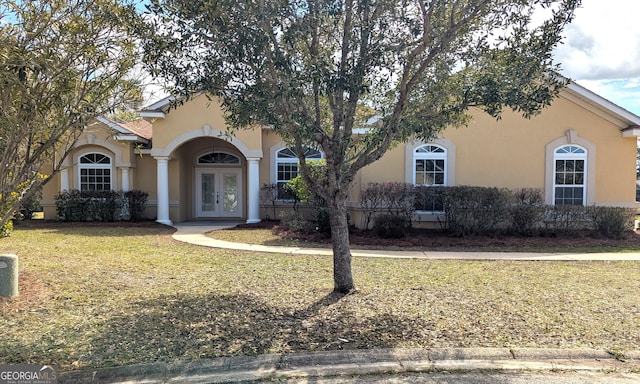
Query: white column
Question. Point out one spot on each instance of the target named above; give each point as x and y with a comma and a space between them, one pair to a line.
125, 178
163, 190
253, 190
64, 179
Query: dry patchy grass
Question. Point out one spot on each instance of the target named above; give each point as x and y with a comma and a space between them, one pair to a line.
106, 296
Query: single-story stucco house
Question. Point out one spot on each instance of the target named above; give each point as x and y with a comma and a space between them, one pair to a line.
580, 150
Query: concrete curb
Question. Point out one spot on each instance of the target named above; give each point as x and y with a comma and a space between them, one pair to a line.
356, 362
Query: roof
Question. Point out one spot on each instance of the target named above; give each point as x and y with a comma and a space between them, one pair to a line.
628, 122
141, 127
139, 130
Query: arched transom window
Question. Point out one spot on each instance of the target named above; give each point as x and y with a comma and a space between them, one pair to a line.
95, 172
569, 181
287, 167
218, 158
430, 165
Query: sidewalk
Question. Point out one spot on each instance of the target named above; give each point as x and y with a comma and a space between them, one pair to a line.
194, 233
348, 364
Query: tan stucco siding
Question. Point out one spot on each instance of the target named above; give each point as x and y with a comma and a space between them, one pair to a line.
511, 152
194, 115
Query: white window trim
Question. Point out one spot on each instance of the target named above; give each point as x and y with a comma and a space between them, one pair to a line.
570, 138
225, 151
110, 166
571, 156
450, 160
273, 156
430, 156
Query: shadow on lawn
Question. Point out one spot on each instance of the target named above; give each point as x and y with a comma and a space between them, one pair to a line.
191, 327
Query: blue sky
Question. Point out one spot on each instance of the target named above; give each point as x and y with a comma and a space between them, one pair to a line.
601, 51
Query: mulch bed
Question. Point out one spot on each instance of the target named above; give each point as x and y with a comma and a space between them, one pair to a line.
433, 238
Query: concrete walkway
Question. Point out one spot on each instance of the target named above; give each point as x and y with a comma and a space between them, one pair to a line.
194, 233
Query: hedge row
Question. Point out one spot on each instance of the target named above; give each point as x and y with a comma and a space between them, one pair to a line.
466, 210
76, 205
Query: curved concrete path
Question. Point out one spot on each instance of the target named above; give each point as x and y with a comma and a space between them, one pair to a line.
195, 233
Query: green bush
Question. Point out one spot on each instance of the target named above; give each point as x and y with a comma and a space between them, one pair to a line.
527, 211
136, 201
31, 204
391, 226
476, 210
566, 218
6, 229
295, 222
612, 222
76, 205
430, 199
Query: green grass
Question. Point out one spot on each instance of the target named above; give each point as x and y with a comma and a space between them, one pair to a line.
107, 296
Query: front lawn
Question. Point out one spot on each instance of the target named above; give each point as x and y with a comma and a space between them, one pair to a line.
96, 296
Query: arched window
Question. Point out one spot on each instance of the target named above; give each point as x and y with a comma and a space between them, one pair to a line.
218, 158
569, 179
95, 172
430, 165
287, 168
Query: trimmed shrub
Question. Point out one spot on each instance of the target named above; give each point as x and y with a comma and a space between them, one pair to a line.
611, 222
78, 205
566, 218
390, 226
295, 222
476, 210
527, 211
372, 199
430, 199
323, 224
137, 201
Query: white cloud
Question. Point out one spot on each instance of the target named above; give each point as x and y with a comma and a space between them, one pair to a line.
602, 50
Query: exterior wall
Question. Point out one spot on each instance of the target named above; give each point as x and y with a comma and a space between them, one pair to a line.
96, 138
511, 152
194, 115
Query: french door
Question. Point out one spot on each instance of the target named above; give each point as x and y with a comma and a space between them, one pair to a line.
218, 192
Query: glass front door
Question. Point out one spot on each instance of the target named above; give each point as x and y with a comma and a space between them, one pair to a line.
218, 193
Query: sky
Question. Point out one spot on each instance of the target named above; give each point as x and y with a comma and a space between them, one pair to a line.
601, 50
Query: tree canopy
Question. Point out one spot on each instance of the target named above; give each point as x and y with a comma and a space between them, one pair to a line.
62, 63
355, 77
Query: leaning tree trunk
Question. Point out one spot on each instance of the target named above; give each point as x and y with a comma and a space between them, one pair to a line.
342, 278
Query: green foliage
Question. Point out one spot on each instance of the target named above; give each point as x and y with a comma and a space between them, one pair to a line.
315, 71
31, 203
391, 197
78, 205
136, 202
476, 210
612, 222
527, 211
6, 229
390, 226
64, 62
269, 196
566, 218
296, 222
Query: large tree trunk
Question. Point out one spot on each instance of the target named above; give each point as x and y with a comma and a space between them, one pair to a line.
342, 278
